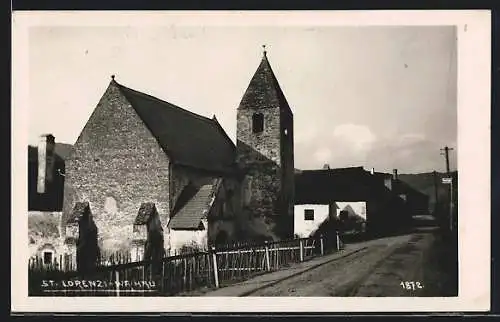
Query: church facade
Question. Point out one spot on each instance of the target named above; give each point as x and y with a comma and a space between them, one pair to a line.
144, 171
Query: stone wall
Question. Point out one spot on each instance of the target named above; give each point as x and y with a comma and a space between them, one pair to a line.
265, 145
116, 165
266, 158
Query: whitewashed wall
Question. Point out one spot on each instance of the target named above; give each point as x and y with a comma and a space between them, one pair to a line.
359, 207
41, 241
180, 238
304, 228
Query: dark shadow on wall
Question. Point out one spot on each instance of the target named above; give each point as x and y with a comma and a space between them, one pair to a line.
221, 239
328, 229
87, 248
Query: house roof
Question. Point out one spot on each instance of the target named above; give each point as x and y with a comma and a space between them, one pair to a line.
340, 184
401, 186
80, 210
264, 89
194, 205
188, 138
146, 211
62, 151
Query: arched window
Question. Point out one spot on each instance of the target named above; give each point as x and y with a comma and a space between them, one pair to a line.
257, 122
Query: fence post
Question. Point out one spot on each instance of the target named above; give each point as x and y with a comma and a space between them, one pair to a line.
216, 271
117, 281
301, 244
162, 276
338, 240
276, 249
321, 244
268, 262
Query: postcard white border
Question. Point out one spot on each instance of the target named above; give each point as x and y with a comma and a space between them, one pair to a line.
473, 153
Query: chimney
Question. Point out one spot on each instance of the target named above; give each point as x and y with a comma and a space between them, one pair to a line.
395, 174
46, 146
388, 182
372, 171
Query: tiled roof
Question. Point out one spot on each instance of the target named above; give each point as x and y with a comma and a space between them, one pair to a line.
189, 139
194, 209
146, 210
264, 89
80, 209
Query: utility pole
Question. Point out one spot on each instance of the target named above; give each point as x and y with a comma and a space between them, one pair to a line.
447, 158
446, 150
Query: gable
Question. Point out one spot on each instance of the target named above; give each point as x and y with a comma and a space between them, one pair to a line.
113, 128
116, 156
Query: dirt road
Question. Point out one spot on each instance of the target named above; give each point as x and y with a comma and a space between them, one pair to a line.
392, 266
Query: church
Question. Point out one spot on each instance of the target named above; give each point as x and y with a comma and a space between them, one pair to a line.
146, 171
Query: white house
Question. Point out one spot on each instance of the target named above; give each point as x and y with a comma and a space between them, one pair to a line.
308, 218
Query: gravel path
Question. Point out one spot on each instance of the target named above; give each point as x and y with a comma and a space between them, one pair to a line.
377, 270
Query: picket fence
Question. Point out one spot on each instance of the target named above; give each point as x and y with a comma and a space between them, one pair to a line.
179, 274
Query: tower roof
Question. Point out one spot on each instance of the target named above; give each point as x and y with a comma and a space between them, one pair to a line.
264, 90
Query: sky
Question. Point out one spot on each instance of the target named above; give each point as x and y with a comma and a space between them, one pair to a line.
377, 97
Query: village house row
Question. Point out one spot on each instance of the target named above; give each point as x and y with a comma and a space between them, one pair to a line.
143, 167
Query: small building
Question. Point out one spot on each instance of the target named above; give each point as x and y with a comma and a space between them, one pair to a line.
360, 200
312, 212
46, 167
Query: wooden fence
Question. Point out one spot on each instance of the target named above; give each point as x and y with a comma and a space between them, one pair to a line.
176, 274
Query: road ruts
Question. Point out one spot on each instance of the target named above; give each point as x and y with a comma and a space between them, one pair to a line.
383, 263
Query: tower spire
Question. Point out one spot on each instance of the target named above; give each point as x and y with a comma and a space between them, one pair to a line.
264, 50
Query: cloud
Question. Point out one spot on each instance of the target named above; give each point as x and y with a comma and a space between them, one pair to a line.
346, 145
357, 137
322, 154
350, 145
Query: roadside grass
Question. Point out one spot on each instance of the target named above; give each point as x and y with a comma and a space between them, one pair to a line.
440, 267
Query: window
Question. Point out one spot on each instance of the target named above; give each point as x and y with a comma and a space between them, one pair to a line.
308, 214
47, 258
285, 131
257, 122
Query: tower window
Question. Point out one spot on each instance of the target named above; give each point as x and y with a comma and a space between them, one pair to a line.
285, 131
257, 122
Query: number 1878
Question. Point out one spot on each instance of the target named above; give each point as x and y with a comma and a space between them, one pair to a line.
410, 285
